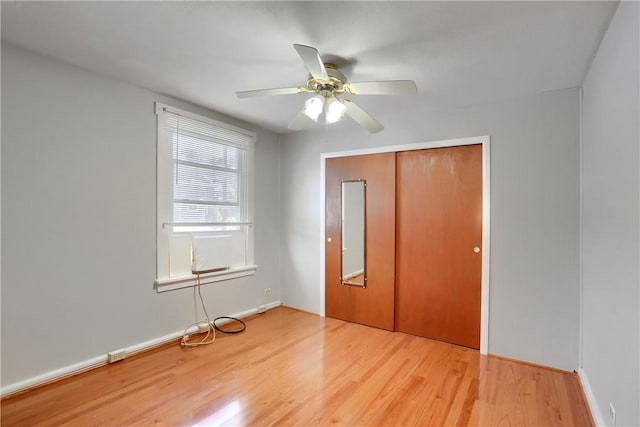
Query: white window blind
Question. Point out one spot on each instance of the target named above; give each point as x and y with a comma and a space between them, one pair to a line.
209, 171
205, 173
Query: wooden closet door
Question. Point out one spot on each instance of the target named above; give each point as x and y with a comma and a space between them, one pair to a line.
373, 305
439, 224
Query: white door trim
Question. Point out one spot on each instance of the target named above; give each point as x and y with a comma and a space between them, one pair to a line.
486, 212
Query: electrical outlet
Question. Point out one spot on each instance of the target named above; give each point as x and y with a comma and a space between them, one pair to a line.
267, 291
612, 413
262, 308
203, 328
116, 355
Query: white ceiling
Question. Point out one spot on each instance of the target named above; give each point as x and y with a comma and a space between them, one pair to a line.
458, 53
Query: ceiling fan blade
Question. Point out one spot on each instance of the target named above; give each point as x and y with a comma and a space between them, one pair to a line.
312, 61
301, 121
270, 92
361, 117
390, 87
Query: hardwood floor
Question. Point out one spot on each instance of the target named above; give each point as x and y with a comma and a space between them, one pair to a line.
294, 368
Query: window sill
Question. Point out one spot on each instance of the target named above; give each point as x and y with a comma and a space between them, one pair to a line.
173, 283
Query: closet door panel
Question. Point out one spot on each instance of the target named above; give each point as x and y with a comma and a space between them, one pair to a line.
439, 243
373, 304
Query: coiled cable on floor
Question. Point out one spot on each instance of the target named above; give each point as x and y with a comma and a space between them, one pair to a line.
237, 330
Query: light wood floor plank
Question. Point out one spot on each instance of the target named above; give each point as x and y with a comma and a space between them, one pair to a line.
295, 368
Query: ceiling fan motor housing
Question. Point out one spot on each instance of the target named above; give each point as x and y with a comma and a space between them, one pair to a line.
336, 83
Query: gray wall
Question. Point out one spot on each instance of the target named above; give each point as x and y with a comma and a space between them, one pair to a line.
610, 224
78, 219
534, 287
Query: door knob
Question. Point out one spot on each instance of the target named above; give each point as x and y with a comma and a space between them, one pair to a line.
329, 239
476, 250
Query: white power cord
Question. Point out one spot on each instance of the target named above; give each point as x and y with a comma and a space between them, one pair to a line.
211, 332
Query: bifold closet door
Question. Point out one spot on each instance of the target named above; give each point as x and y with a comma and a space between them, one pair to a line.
372, 305
439, 243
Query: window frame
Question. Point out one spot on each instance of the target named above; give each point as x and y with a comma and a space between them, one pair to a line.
165, 200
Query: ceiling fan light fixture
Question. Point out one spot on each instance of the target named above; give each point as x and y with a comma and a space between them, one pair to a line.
335, 110
313, 107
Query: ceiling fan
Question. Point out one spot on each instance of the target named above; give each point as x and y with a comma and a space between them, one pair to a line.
329, 85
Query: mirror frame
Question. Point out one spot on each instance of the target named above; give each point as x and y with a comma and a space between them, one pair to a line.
364, 243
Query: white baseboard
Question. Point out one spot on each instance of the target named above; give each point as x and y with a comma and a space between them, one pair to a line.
591, 399
95, 362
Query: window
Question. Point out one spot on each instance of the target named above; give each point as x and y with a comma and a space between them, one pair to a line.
204, 190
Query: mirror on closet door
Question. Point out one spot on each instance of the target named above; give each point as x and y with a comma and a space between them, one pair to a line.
353, 223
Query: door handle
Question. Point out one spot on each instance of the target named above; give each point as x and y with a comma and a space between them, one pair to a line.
476, 250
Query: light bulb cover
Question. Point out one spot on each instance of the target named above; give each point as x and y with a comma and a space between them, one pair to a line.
313, 107
335, 110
